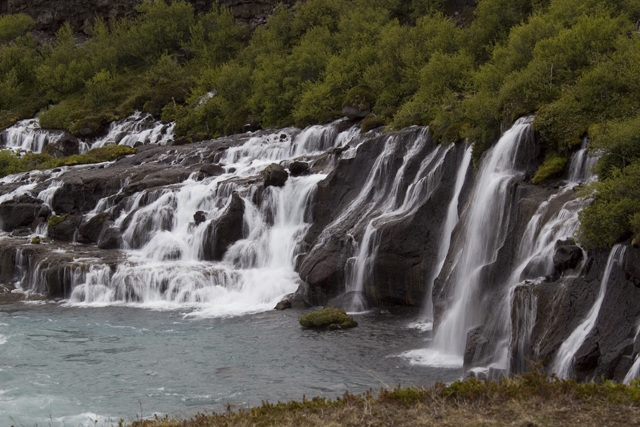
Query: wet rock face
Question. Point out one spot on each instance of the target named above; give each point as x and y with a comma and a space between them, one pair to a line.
478, 348
567, 256
65, 230
225, 231
66, 146
90, 231
608, 349
274, 175
22, 211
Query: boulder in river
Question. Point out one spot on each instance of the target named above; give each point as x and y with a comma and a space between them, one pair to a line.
327, 318
225, 231
274, 175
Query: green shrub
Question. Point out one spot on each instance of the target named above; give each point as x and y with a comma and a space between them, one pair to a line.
372, 121
360, 97
615, 211
12, 26
100, 88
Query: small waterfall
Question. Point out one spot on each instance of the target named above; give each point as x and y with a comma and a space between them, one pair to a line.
582, 164
563, 363
445, 240
634, 371
523, 320
484, 233
387, 198
139, 128
27, 135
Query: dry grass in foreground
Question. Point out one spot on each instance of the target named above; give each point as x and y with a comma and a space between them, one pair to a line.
533, 399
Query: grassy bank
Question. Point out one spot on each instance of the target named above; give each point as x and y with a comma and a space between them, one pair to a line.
533, 399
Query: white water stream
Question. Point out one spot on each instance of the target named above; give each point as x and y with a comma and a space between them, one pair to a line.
484, 234
563, 363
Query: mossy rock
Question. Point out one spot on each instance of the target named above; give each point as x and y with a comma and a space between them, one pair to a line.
55, 220
327, 318
551, 168
35, 240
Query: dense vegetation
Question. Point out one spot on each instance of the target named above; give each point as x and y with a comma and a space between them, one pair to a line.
534, 399
575, 63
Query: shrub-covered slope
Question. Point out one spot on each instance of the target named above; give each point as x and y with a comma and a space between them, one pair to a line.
573, 63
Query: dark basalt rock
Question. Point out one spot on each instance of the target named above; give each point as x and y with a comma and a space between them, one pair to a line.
567, 256
225, 231
477, 349
67, 145
65, 230
354, 113
353, 300
211, 170
274, 175
89, 232
22, 211
111, 238
293, 301
298, 168
199, 217
632, 265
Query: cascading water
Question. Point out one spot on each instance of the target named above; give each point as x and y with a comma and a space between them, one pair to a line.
484, 234
139, 128
166, 266
426, 322
563, 363
27, 135
388, 209
582, 164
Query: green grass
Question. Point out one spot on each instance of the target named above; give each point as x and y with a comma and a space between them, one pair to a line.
534, 398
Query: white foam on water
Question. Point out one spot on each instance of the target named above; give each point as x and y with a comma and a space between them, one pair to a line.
421, 325
433, 358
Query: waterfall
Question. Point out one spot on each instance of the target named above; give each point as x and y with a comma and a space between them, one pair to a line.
27, 135
563, 363
137, 129
166, 265
525, 306
445, 241
634, 371
582, 164
484, 233
388, 209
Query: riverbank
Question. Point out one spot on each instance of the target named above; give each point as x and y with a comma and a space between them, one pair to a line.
534, 399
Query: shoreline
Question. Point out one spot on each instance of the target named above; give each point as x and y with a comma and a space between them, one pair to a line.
532, 399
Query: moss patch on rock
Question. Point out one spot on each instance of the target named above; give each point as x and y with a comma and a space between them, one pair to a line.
55, 220
551, 168
327, 318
